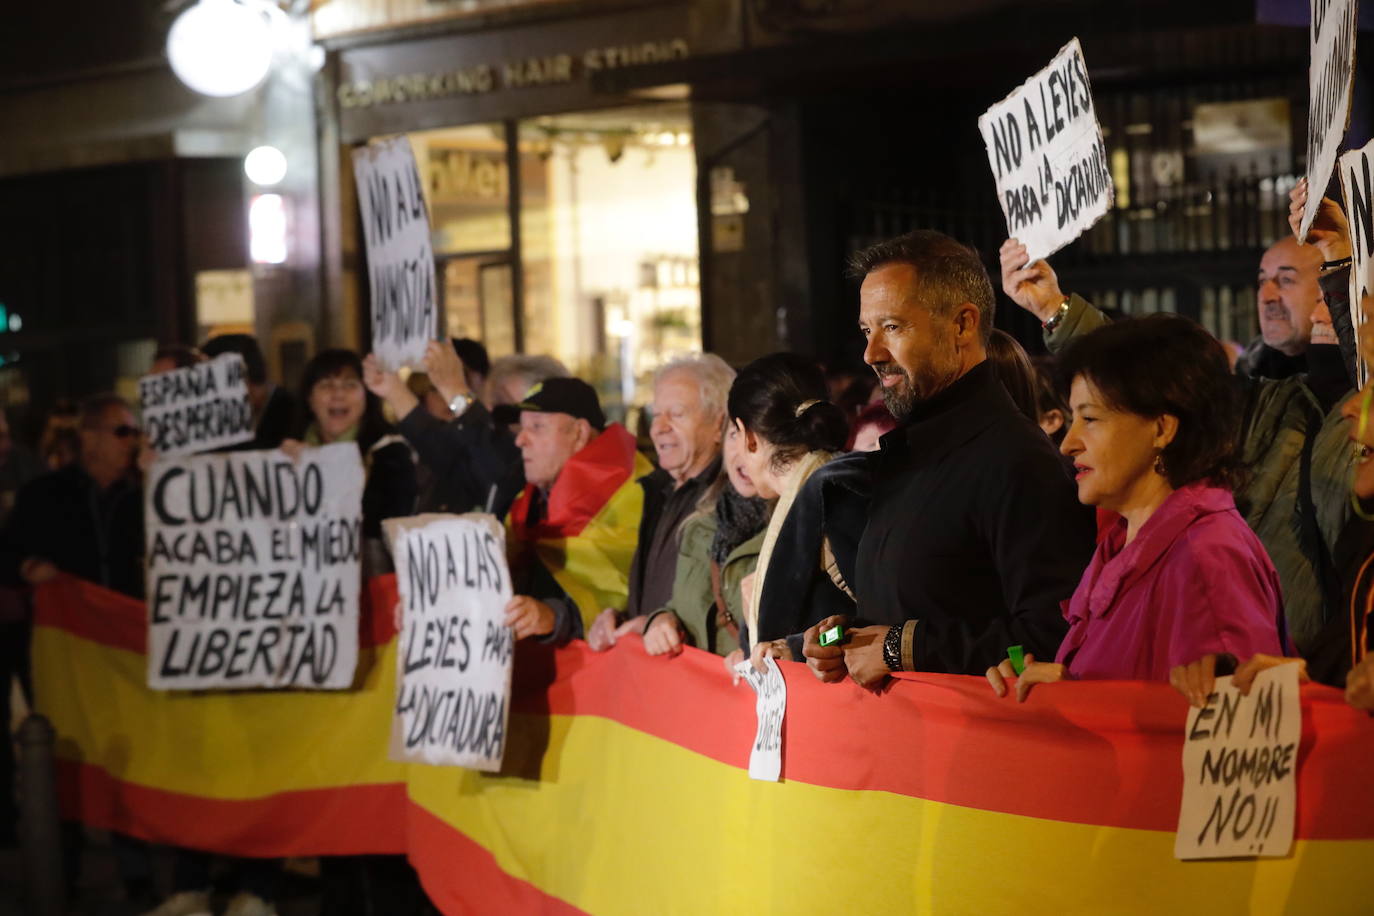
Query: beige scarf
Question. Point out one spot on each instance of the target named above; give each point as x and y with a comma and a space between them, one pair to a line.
797, 475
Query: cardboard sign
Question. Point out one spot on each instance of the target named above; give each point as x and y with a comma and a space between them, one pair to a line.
400, 259
1047, 154
454, 667
196, 409
1240, 762
1355, 168
765, 759
253, 569
1329, 81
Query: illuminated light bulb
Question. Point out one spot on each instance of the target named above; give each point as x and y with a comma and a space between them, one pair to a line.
220, 47
265, 166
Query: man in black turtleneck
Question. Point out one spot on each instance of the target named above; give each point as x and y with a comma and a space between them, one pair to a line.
975, 534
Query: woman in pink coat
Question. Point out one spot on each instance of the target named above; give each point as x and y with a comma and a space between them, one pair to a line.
1180, 576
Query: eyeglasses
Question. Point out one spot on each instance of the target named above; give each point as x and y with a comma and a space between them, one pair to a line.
124, 431
345, 385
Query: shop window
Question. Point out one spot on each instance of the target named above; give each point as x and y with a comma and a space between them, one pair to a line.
609, 244
607, 248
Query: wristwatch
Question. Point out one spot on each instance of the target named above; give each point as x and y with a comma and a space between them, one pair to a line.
460, 403
1057, 317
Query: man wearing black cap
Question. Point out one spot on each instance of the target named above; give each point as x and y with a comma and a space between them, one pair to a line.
572, 532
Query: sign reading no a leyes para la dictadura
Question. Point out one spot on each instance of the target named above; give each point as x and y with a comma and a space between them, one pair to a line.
521, 73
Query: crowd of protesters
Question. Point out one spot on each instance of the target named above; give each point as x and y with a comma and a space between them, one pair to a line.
1131, 507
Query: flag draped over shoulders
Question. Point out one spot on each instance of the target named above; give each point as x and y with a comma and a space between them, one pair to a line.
585, 539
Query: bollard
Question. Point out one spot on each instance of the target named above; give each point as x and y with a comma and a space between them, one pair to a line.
40, 830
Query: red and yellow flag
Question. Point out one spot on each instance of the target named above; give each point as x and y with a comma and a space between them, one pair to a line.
587, 536
625, 788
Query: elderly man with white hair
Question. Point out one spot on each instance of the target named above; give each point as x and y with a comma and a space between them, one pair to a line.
688, 419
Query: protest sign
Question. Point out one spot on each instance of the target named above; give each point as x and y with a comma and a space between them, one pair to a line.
454, 666
765, 760
1355, 169
198, 408
1330, 77
400, 259
253, 569
1047, 154
1240, 760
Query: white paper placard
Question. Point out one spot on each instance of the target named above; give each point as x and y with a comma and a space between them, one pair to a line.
1240, 763
1046, 151
454, 666
400, 257
196, 409
253, 569
1355, 168
1330, 77
765, 759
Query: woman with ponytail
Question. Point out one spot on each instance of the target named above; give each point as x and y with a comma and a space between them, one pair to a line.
791, 437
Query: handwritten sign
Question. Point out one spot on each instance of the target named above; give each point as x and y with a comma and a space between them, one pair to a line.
1240, 760
253, 569
454, 669
1329, 80
400, 260
198, 408
1355, 168
765, 759
1047, 154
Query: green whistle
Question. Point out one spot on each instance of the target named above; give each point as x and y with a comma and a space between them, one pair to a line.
1018, 659
831, 636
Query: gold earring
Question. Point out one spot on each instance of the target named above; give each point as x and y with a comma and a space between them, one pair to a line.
1159, 464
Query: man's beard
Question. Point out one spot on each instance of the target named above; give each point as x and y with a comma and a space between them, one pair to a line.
900, 399
915, 388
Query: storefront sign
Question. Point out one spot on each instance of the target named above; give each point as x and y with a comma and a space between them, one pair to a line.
514, 74
522, 71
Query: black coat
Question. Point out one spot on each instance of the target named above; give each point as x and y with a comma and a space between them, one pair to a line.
975, 531
64, 518
391, 489
833, 504
466, 458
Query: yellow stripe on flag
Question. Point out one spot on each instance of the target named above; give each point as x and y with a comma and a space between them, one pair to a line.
213, 744
615, 821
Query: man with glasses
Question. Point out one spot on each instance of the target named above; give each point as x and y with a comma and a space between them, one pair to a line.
85, 520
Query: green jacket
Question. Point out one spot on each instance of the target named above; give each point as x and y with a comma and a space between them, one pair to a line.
1280, 415
692, 600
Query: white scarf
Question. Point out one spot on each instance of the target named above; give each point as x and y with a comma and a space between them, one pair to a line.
797, 475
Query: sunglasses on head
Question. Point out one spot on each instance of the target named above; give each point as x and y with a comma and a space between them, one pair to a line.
124, 431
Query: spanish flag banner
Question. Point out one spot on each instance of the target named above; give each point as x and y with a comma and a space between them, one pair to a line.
625, 786
253, 773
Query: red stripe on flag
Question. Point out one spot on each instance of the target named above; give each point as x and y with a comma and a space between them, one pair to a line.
461, 876
1102, 752
103, 616
351, 820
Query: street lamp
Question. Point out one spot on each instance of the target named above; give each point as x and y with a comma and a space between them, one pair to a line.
221, 47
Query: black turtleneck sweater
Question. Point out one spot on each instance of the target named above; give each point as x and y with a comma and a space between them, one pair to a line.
975, 531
